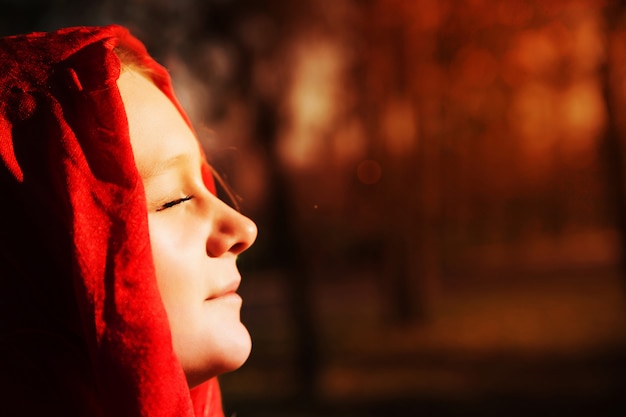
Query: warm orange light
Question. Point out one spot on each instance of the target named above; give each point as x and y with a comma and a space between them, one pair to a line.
369, 172
313, 101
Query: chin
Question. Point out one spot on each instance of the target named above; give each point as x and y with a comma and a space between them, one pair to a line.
222, 355
236, 351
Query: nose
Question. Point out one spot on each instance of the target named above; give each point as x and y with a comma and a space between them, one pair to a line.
232, 232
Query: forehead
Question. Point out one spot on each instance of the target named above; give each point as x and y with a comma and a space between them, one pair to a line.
158, 132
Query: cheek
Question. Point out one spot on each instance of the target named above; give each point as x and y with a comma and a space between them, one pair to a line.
170, 275
175, 258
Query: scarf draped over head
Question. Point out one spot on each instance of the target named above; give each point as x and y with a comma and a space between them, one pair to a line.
83, 330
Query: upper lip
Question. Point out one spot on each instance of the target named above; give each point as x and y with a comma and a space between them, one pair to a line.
230, 286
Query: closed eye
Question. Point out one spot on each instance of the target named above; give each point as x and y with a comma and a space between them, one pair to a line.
174, 203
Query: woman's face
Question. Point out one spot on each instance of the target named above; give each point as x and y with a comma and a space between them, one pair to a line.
195, 237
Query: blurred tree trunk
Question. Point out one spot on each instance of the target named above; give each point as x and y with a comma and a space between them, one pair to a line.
410, 156
290, 255
613, 77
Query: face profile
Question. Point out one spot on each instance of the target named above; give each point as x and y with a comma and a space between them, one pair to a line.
195, 237
120, 261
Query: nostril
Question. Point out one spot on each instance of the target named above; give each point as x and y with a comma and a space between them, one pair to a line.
237, 248
246, 237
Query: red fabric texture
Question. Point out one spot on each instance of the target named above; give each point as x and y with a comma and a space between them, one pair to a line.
83, 331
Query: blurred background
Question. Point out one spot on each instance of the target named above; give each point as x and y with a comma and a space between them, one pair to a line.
439, 188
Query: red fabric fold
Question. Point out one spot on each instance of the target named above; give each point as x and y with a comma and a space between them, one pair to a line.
83, 328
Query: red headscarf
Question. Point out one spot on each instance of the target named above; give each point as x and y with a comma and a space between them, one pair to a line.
83, 330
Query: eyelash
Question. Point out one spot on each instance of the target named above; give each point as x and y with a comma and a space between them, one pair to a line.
174, 203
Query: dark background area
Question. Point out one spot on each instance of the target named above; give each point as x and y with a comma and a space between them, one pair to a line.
439, 188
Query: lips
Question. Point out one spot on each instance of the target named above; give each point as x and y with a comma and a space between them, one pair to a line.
230, 287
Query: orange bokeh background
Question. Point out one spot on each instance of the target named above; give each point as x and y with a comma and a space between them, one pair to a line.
439, 188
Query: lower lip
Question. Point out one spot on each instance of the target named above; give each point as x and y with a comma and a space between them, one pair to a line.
231, 297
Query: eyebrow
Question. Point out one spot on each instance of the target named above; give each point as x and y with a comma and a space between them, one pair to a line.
153, 170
